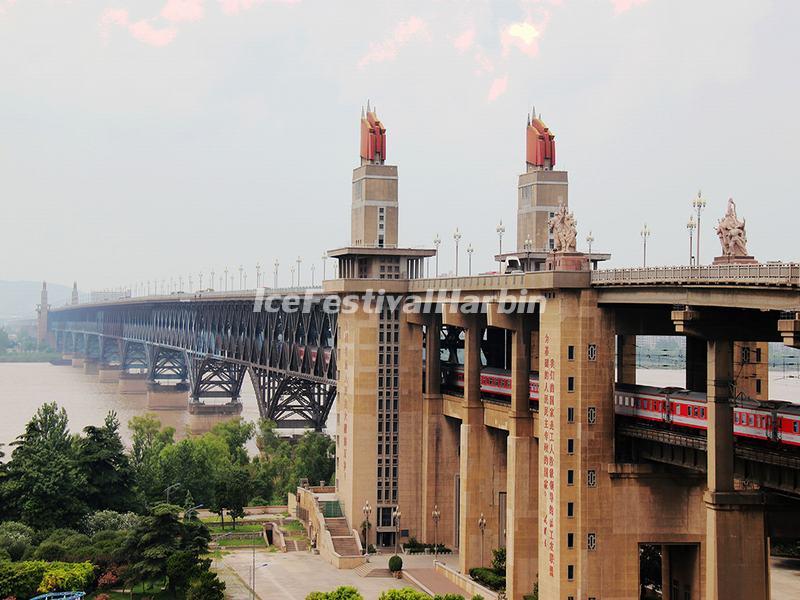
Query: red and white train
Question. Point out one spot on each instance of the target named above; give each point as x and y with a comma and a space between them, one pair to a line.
773, 421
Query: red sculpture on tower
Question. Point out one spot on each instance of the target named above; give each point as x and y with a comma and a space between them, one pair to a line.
373, 137
540, 144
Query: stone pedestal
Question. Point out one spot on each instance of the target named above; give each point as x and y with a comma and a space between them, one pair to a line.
203, 417
90, 366
167, 397
132, 383
734, 260
108, 374
567, 261
78, 361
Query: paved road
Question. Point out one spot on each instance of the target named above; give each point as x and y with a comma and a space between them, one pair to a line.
785, 578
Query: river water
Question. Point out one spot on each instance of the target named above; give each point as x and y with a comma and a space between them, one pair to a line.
25, 386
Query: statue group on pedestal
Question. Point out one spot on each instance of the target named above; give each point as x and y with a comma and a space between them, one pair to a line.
730, 230
563, 226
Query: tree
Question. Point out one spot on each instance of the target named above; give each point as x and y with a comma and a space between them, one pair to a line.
152, 543
206, 586
182, 567
44, 484
148, 440
195, 463
314, 457
238, 492
5, 341
235, 433
108, 472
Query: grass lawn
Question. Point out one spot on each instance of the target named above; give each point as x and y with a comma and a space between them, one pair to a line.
235, 542
217, 528
293, 526
141, 590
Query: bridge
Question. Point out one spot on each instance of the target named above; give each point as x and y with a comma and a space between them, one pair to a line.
506, 398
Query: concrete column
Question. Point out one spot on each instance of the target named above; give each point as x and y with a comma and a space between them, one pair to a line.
108, 373
522, 539
737, 557
626, 359
203, 417
167, 397
696, 364
132, 383
476, 460
90, 366
78, 361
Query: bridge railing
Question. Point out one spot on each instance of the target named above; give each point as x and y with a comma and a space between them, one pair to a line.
771, 274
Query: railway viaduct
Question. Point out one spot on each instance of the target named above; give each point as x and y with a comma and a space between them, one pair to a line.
573, 489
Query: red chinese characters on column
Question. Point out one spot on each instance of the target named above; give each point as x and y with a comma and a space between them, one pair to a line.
547, 412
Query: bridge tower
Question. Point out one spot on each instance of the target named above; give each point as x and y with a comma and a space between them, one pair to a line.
75, 296
42, 334
541, 189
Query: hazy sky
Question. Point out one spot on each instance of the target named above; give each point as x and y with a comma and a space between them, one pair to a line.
148, 139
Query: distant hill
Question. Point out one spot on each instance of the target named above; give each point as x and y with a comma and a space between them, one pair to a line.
18, 299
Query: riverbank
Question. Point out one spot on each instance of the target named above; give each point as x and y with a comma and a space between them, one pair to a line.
29, 357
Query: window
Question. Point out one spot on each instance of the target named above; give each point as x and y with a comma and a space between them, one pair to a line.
570, 384
570, 540
591, 415
570, 509
758, 386
570, 572
591, 541
570, 477
570, 415
570, 352
591, 478
758, 355
570, 446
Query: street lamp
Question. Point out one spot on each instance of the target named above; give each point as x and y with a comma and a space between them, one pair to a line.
645, 234
470, 250
396, 519
589, 240
457, 238
500, 231
226, 279
211, 283
482, 527
699, 204
436, 242
191, 283
313, 270
258, 275
435, 515
200, 277
367, 509
245, 280
299, 260
690, 225
324, 266
170, 488
241, 272
276, 265
292, 269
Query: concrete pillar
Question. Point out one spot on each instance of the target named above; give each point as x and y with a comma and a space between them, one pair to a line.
90, 366
167, 397
108, 373
737, 557
203, 417
132, 383
476, 493
696, 364
751, 369
626, 359
78, 361
522, 511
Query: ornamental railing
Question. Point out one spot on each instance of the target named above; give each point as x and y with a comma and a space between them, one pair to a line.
768, 274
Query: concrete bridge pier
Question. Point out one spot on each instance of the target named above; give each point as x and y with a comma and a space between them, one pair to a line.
737, 547
91, 366
78, 360
167, 397
132, 383
108, 373
203, 417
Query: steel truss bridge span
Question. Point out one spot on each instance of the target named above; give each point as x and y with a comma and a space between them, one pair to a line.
211, 344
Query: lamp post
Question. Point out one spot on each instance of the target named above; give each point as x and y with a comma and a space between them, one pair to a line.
699, 204
170, 488
226, 279
367, 509
245, 281
324, 266
500, 231
589, 240
258, 275
436, 242
396, 518
299, 260
313, 269
482, 527
457, 238
200, 278
435, 515
470, 250
645, 234
241, 273
276, 265
690, 225
211, 283
292, 269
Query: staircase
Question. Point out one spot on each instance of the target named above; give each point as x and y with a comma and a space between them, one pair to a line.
343, 541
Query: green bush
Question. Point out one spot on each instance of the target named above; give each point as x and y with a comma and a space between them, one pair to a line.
489, 578
110, 520
258, 501
499, 560
206, 587
25, 579
477, 597
395, 564
412, 594
50, 551
340, 593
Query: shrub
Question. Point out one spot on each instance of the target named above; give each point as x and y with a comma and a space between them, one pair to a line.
395, 564
258, 501
15, 531
108, 579
64, 577
489, 578
110, 520
50, 551
340, 593
499, 560
412, 594
477, 597
102, 597
25, 579
206, 587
